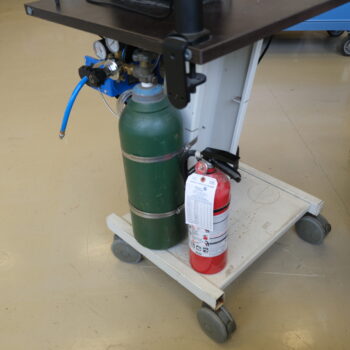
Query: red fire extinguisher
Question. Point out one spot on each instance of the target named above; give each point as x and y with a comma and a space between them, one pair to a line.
208, 248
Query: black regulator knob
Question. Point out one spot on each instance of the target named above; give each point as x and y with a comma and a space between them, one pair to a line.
96, 76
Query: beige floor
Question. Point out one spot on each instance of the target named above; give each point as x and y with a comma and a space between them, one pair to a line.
61, 288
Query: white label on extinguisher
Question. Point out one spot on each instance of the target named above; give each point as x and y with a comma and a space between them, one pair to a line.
210, 243
199, 201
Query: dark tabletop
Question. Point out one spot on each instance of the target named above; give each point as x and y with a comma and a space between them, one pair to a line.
232, 23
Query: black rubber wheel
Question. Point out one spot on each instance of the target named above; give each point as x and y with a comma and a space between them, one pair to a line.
124, 252
313, 229
345, 47
335, 33
217, 325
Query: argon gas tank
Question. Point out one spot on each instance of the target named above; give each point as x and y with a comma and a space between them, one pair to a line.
151, 136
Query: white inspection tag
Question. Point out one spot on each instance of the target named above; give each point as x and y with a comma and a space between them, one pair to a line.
199, 201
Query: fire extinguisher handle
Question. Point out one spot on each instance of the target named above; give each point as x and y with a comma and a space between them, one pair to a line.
227, 169
221, 156
223, 160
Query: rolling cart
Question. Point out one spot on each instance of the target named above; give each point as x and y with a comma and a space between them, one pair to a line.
263, 208
335, 22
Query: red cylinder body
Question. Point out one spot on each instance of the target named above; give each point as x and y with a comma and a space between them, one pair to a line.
215, 257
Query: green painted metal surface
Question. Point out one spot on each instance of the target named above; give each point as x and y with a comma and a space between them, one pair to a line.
151, 130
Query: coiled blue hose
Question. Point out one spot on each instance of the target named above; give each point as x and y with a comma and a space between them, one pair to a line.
70, 104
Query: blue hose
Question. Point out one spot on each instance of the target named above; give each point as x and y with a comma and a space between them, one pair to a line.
70, 103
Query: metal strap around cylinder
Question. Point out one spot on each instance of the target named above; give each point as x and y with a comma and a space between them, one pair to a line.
146, 215
158, 159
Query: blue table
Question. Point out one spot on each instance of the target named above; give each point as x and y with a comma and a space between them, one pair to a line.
335, 22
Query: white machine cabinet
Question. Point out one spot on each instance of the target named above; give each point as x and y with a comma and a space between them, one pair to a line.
217, 110
262, 210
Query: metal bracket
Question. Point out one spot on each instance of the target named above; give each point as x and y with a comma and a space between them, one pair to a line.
180, 83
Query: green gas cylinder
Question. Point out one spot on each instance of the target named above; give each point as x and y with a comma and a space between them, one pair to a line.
151, 136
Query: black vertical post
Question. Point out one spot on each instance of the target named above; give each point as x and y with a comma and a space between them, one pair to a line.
189, 30
188, 16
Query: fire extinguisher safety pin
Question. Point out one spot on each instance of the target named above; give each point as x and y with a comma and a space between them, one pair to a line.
146, 215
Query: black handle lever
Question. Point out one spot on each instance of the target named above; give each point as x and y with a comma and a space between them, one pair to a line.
228, 170
223, 160
222, 156
180, 84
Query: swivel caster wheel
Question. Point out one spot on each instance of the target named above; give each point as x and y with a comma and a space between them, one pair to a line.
313, 229
345, 47
217, 325
335, 33
124, 252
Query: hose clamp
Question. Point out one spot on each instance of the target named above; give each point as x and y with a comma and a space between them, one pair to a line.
146, 215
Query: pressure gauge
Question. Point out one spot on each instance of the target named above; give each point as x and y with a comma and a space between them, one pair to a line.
100, 49
112, 45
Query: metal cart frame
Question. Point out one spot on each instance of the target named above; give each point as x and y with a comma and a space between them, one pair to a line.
262, 210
